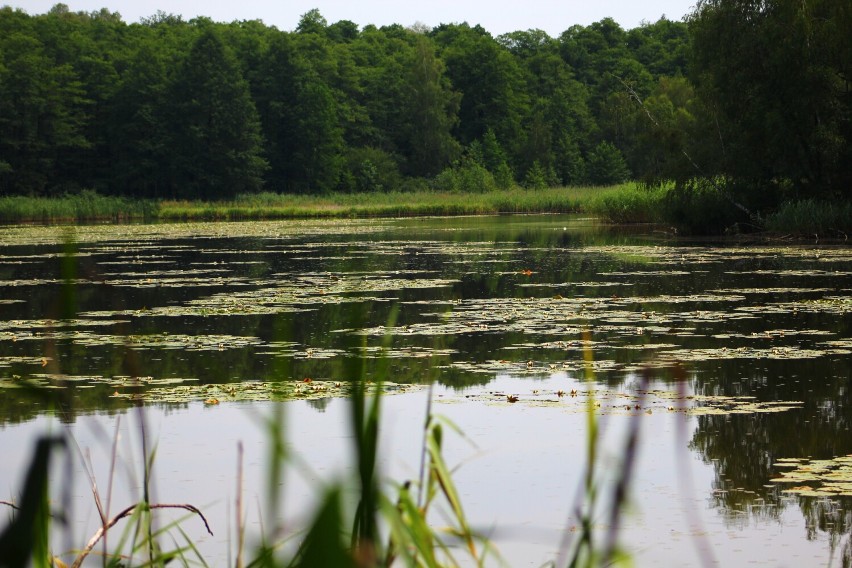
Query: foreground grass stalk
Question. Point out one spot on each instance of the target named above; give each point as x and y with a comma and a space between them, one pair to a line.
584, 551
611, 552
702, 543
25, 540
365, 426
412, 537
139, 508
240, 519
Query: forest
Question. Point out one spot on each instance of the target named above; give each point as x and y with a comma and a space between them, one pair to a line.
749, 100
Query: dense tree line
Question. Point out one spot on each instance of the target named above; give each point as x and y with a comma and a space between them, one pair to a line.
742, 94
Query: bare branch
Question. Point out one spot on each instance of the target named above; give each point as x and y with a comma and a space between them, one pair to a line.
99, 534
10, 504
635, 96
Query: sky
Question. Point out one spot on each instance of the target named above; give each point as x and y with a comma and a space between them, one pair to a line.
496, 16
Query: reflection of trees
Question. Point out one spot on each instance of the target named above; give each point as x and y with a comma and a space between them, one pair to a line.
319, 404
516, 240
743, 447
486, 257
833, 518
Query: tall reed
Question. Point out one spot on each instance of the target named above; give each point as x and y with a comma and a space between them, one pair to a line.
812, 218
83, 206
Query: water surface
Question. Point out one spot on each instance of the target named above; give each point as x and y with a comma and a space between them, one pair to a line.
733, 359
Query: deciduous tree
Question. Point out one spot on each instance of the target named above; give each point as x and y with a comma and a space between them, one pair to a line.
216, 141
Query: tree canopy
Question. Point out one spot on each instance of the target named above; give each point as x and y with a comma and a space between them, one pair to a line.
776, 77
747, 94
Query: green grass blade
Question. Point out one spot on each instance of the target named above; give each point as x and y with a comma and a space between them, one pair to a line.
323, 545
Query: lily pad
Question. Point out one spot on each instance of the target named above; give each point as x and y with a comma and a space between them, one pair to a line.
816, 478
254, 391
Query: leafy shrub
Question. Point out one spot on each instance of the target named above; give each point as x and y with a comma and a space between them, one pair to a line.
467, 176
606, 166
702, 207
536, 177
370, 169
504, 177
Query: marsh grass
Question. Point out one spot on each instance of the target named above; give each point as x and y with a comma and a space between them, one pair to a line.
812, 218
696, 209
381, 204
83, 206
89, 206
627, 203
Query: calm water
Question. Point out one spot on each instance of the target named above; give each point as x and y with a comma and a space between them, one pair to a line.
737, 357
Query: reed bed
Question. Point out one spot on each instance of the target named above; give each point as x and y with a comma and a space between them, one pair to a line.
812, 218
83, 206
390, 204
627, 203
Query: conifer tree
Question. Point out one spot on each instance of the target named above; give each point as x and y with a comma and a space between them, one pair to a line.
216, 140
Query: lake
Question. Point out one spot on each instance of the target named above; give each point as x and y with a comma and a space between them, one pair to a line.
731, 361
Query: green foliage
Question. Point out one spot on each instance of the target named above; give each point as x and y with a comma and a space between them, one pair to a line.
663, 129
169, 108
776, 76
605, 165
602, 58
140, 135
466, 176
662, 47
367, 176
489, 153
701, 207
216, 142
431, 109
42, 109
570, 166
490, 80
312, 22
199, 109
299, 116
536, 177
371, 169
812, 218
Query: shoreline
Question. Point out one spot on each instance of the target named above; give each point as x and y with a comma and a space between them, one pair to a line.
623, 204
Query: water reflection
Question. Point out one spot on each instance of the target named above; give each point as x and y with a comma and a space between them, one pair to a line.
463, 301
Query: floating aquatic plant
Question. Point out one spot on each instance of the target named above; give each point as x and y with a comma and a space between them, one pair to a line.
253, 391
608, 401
815, 478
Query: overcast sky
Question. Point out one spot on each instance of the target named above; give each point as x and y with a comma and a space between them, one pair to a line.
496, 16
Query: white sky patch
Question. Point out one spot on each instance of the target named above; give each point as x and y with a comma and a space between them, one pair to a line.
498, 17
